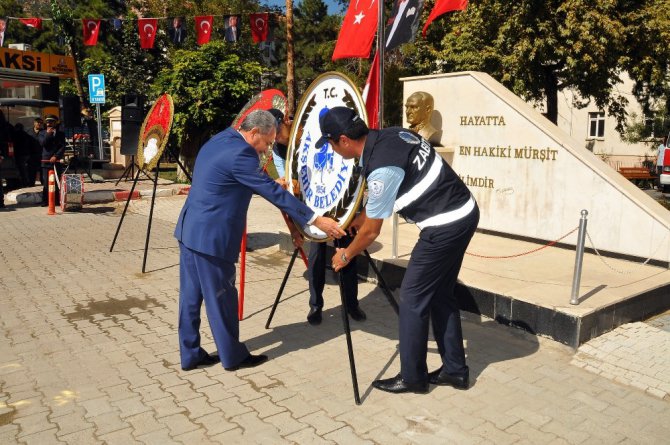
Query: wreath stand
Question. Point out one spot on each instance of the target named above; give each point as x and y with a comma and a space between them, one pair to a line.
151, 210
343, 308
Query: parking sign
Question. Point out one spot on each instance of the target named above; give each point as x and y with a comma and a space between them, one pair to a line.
96, 88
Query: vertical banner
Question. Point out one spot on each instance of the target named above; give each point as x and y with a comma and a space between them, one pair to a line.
147, 29
91, 29
259, 26
203, 28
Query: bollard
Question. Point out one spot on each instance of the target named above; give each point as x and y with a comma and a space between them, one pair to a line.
52, 193
577, 274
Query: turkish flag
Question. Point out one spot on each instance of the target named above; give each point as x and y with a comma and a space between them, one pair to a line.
442, 7
147, 28
32, 22
371, 94
91, 29
358, 30
203, 28
259, 26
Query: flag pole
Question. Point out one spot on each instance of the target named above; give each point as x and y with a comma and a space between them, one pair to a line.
380, 53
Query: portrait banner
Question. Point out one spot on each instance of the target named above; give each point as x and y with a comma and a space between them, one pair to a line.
327, 183
155, 132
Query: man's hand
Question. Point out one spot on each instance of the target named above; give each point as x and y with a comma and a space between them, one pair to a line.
297, 239
53, 159
329, 227
338, 263
282, 182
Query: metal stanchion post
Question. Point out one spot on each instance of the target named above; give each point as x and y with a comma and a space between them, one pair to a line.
579, 258
394, 236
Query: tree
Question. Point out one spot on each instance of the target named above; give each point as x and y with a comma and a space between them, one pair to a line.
647, 61
535, 48
209, 86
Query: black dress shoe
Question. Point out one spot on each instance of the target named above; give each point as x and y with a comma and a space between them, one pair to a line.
438, 377
397, 385
209, 360
357, 314
249, 362
314, 316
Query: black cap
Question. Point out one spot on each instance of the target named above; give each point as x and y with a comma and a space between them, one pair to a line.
279, 116
51, 117
335, 122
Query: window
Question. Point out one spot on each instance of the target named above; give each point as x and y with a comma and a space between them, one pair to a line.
597, 125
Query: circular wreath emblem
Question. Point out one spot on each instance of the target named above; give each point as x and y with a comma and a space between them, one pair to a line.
264, 100
327, 183
155, 132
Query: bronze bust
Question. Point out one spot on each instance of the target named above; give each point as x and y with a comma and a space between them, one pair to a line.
418, 109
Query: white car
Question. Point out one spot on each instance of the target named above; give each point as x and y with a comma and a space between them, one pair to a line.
664, 179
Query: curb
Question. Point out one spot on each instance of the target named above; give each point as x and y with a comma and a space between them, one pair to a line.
96, 196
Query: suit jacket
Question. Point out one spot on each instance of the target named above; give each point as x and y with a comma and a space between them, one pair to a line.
52, 145
177, 38
225, 175
232, 37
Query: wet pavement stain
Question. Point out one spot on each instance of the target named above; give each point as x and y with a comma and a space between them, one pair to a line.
111, 307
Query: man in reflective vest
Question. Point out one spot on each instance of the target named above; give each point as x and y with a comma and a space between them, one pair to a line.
406, 175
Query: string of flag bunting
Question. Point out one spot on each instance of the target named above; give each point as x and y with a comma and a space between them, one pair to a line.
259, 25
354, 41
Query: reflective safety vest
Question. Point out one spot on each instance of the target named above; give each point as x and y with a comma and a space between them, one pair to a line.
431, 193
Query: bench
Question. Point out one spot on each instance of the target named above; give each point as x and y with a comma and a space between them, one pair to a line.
641, 176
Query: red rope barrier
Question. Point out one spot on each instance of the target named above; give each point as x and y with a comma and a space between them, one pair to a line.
525, 253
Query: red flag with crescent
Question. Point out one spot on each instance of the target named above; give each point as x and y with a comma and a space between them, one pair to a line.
259, 26
91, 31
358, 30
203, 27
32, 22
147, 29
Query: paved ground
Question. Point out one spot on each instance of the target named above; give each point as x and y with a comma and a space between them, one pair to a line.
88, 354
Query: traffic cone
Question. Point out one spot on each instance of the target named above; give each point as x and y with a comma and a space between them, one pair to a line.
52, 193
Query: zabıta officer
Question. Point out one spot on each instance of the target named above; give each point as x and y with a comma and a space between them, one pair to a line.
406, 175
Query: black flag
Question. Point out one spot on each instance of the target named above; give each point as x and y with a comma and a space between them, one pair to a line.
404, 24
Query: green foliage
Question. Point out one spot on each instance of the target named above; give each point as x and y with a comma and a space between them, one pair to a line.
535, 48
209, 86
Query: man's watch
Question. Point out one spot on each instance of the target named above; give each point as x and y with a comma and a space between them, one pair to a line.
344, 258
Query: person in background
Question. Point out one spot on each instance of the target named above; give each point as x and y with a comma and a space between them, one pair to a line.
34, 160
22, 147
661, 155
209, 231
6, 131
316, 268
52, 140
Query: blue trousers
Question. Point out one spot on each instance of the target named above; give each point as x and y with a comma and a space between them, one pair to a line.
427, 291
208, 278
317, 275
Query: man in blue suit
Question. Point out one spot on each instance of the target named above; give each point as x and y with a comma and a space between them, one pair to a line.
209, 231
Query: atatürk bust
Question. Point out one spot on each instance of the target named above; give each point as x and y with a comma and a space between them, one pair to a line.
418, 108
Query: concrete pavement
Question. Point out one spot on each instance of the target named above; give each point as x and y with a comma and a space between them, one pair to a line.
89, 355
